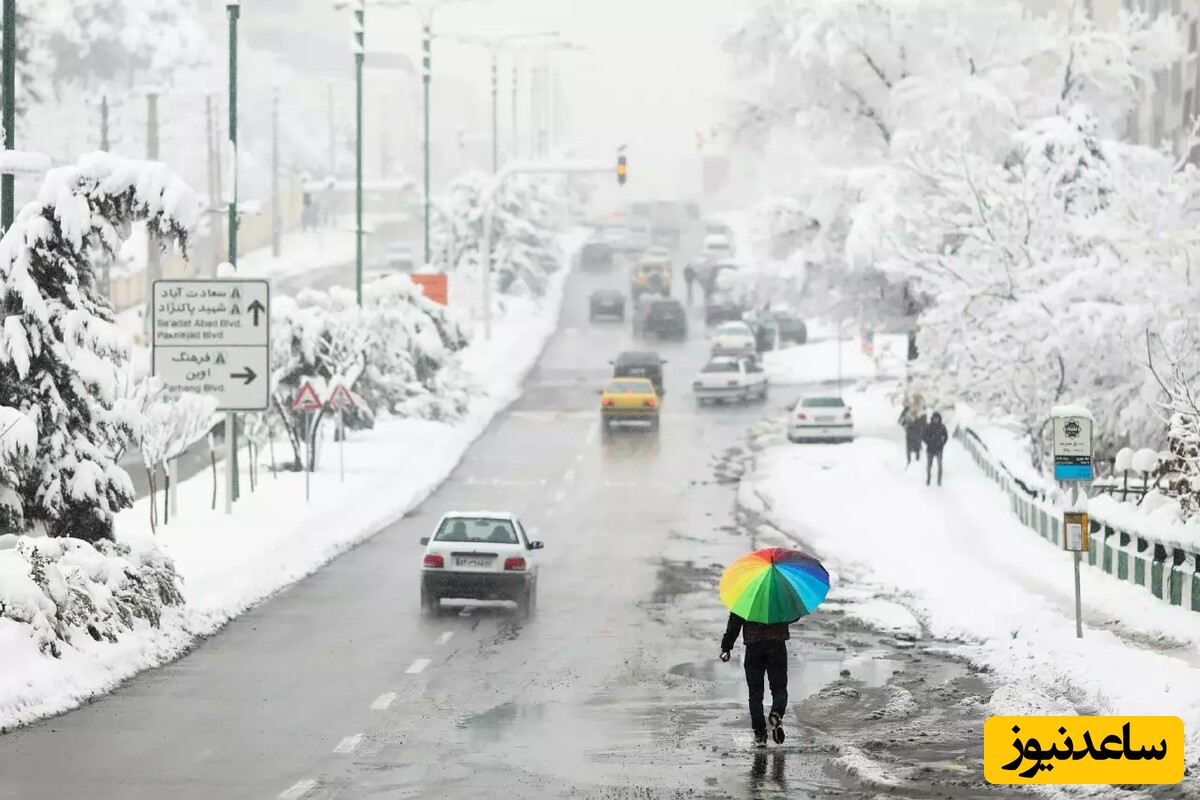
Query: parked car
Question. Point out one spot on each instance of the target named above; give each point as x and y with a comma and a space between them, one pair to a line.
596, 256
766, 330
728, 378
733, 338
791, 327
479, 555
721, 307
641, 364
606, 303
663, 318
821, 418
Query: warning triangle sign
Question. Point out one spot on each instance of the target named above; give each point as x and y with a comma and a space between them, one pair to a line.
306, 399
341, 398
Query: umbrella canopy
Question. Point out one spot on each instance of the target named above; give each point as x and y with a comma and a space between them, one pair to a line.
774, 585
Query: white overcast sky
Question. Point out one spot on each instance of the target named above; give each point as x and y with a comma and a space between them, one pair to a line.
652, 74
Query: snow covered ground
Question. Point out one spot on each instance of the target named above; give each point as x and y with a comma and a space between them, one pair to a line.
818, 362
274, 538
969, 571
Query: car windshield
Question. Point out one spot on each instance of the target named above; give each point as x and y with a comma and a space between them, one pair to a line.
822, 402
629, 387
721, 365
476, 530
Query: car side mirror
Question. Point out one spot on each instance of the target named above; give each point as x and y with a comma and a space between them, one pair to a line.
424, 540
536, 545
600, 391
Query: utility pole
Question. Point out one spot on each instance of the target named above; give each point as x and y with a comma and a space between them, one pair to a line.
214, 183
332, 132
104, 145
516, 96
360, 54
153, 253
495, 111
275, 220
231, 459
9, 113
426, 77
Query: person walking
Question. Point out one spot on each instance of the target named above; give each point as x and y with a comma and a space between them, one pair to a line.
913, 422
935, 436
766, 656
689, 278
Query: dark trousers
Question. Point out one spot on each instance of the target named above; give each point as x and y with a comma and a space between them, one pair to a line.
770, 660
689, 292
914, 454
929, 466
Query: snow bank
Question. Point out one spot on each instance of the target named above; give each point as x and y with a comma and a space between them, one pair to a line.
228, 564
972, 572
817, 362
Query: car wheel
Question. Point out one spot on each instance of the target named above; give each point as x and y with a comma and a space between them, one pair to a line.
526, 602
793, 439
654, 425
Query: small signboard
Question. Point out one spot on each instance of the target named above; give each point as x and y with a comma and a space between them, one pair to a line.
1075, 532
306, 399
1072, 447
214, 337
434, 286
341, 399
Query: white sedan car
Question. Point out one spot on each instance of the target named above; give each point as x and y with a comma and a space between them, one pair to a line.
733, 338
479, 555
821, 418
730, 378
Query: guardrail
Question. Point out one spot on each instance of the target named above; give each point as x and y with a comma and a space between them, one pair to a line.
1165, 569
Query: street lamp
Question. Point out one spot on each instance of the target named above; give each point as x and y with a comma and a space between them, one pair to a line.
9, 114
494, 44
541, 49
360, 53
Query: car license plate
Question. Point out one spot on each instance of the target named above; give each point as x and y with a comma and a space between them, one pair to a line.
637, 372
825, 420
472, 562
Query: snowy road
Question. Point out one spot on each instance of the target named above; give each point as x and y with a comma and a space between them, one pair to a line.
339, 688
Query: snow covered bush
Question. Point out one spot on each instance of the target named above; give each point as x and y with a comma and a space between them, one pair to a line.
396, 354
171, 422
528, 216
60, 351
65, 589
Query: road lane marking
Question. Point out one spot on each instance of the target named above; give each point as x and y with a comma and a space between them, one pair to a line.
383, 701
348, 744
418, 666
579, 458
297, 791
548, 513
569, 475
445, 637
560, 495
591, 434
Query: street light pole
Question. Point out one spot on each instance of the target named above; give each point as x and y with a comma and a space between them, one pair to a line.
9, 121
426, 66
495, 111
231, 465
360, 54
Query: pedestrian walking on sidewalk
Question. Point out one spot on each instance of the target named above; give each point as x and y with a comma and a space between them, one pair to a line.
766, 656
689, 278
913, 421
935, 441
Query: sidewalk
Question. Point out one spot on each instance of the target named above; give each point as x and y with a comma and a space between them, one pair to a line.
971, 572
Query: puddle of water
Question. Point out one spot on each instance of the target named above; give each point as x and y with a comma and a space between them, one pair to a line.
808, 673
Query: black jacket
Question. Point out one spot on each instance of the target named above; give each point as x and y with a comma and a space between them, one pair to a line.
914, 432
753, 632
935, 436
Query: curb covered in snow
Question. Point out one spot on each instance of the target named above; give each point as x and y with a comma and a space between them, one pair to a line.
230, 564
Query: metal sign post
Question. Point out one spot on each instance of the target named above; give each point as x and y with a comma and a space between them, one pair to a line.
308, 401
340, 400
1073, 464
213, 337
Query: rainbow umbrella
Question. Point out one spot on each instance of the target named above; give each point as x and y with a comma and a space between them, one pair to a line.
774, 585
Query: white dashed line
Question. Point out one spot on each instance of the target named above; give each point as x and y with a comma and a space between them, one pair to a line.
569, 475
383, 701
591, 434
418, 666
560, 495
548, 513
348, 744
445, 637
579, 458
299, 790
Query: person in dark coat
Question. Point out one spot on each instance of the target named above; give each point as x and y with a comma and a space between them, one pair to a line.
914, 433
935, 441
766, 655
689, 277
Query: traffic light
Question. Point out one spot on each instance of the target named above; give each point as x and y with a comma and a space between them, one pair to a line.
622, 170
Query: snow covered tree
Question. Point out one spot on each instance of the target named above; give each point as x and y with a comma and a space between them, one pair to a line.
171, 423
60, 351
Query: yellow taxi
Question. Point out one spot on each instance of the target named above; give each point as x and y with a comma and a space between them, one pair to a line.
629, 400
651, 274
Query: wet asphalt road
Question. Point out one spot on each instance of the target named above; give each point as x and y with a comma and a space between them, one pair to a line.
339, 688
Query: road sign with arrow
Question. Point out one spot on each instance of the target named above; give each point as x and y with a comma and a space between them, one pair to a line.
214, 337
